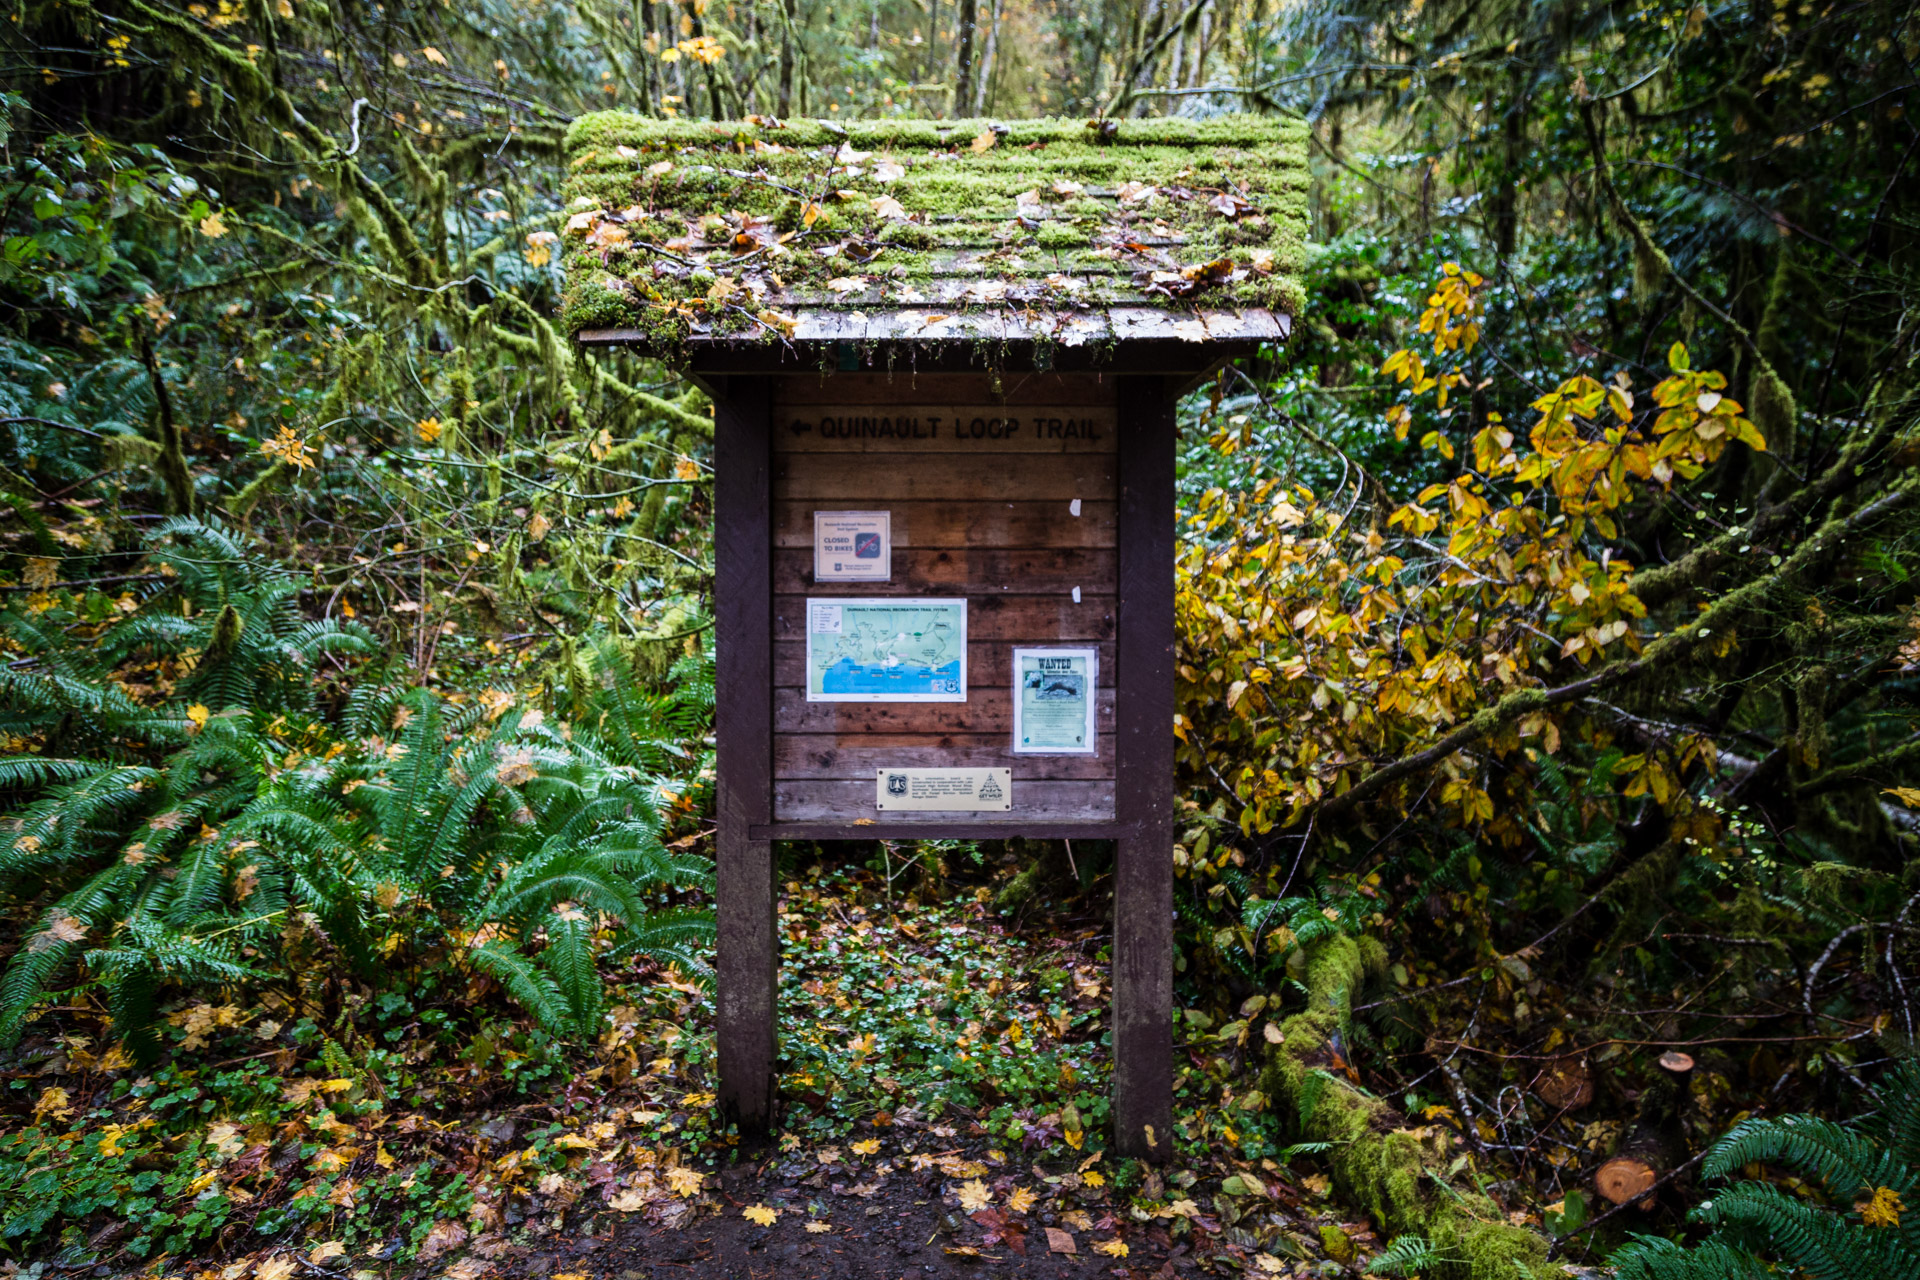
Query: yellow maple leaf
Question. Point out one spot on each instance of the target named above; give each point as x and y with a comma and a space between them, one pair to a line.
866, 1147
985, 142
1021, 1199
1883, 1210
1074, 1138
1093, 1178
819, 1228
197, 716
53, 1102
41, 573
1112, 1248
974, 1195
428, 429
212, 226
434, 56
685, 468
760, 1213
685, 1182
1908, 796
330, 1249
289, 448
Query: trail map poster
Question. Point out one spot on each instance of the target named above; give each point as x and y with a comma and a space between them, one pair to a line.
892, 650
1053, 701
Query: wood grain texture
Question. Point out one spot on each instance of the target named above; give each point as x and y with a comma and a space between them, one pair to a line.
952, 829
1009, 525
985, 711
904, 386
1028, 619
825, 755
989, 662
746, 953
815, 800
962, 571
909, 430
821, 478
1143, 862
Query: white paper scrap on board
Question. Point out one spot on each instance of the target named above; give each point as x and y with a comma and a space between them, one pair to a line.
1074, 506
1076, 595
938, 790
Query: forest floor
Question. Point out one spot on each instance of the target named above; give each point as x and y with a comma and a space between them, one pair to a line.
941, 1061
943, 1098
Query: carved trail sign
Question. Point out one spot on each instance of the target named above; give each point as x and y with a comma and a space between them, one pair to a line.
944, 487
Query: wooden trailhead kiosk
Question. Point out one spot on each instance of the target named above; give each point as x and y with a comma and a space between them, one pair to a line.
944, 359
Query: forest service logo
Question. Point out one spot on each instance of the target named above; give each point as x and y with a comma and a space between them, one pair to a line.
896, 784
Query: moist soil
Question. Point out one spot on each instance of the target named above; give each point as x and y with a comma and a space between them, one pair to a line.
909, 1227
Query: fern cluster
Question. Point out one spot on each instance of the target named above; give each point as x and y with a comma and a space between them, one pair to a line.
1862, 1229
174, 847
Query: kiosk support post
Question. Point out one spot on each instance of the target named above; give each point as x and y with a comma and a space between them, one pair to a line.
743, 718
1143, 879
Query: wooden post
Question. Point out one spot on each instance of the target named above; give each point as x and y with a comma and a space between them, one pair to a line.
1143, 719
743, 728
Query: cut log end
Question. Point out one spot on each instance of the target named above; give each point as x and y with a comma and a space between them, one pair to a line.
1676, 1062
1624, 1177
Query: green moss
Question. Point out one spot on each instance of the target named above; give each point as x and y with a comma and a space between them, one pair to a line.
1379, 1166
1059, 235
920, 194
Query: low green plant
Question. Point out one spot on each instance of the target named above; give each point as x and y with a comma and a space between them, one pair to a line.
1760, 1229
256, 845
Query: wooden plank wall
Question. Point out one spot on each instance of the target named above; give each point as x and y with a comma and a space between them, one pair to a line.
980, 486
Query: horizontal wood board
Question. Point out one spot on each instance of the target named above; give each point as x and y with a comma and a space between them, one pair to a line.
985, 513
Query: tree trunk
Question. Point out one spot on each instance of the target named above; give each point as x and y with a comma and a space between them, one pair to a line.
1656, 1143
963, 65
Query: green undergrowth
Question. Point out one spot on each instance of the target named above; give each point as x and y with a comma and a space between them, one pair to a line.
1408, 1184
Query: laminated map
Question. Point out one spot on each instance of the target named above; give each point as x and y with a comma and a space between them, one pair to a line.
886, 650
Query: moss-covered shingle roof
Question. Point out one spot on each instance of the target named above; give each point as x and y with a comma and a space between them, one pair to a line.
688, 232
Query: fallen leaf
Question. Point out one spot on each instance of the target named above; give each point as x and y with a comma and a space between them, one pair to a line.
1112, 1248
760, 1213
974, 1195
631, 1200
888, 207
1134, 192
844, 285
819, 1228
444, 1237
888, 171
659, 168
685, 1182
1059, 1241
322, 1252
866, 1147
274, 1269
1021, 1199
986, 142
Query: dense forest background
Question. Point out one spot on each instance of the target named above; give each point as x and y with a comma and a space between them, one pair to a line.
1550, 649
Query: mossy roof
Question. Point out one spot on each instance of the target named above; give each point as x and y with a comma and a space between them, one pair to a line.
684, 233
